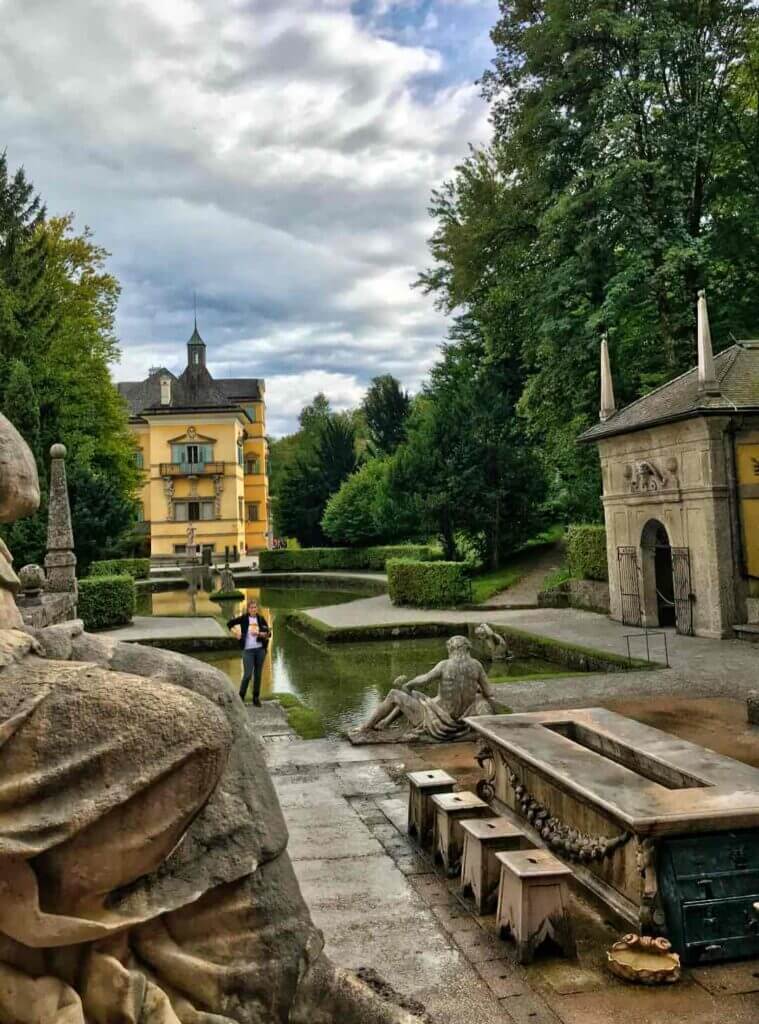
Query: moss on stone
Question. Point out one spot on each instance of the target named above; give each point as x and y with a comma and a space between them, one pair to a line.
306, 722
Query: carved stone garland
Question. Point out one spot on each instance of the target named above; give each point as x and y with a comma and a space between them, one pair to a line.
570, 842
565, 840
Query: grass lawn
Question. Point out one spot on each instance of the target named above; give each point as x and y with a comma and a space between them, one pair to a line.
304, 720
488, 583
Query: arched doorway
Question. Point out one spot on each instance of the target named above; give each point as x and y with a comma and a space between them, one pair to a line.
658, 577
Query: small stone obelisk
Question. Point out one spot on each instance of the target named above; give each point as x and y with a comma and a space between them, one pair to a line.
707, 376
60, 560
608, 404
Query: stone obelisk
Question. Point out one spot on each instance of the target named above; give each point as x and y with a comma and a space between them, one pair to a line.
60, 560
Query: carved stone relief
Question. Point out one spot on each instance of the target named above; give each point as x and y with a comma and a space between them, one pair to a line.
647, 477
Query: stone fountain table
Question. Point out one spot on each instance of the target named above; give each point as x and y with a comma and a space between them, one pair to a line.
665, 831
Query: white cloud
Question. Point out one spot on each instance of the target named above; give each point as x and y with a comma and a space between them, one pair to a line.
277, 157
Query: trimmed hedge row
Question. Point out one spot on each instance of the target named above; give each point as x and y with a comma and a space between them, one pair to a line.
106, 601
137, 568
321, 559
428, 584
586, 552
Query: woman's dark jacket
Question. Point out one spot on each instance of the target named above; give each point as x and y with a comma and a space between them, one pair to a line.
242, 621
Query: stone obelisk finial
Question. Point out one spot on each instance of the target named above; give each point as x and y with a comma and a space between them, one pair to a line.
608, 405
707, 376
60, 560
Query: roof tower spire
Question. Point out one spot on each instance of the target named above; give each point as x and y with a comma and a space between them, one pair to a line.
707, 377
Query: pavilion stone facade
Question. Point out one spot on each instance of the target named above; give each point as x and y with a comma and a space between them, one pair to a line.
680, 506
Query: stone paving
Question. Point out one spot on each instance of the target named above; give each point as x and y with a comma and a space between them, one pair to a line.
159, 627
381, 905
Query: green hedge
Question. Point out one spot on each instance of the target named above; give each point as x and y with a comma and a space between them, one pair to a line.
137, 568
106, 601
324, 559
428, 584
586, 552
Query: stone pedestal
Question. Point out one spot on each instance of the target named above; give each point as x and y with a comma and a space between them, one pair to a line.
533, 902
422, 786
448, 839
480, 870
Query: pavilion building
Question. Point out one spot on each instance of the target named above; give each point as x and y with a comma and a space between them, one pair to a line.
202, 447
680, 470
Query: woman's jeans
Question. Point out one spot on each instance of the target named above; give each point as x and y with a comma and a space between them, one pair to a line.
252, 665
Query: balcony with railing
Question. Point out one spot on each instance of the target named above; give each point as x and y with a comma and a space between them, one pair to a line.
193, 468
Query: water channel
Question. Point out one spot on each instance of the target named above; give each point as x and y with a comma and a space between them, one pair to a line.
343, 682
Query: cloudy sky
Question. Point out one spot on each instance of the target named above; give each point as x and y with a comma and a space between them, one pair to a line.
275, 155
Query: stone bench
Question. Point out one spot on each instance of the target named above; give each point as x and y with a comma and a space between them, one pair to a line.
533, 902
480, 870
448, 837
422, 786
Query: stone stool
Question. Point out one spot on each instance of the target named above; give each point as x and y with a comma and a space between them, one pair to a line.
533, 902
448, 837
480, 871
421, 787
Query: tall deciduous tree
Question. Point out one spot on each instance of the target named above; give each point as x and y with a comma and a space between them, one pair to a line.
386, 407
622, 177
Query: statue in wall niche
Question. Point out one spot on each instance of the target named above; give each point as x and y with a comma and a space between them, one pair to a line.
144, 873
462, 690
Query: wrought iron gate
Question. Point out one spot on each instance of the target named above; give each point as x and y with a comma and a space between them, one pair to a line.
629, 590
682, 591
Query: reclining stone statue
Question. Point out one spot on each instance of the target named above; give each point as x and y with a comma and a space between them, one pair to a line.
144, 876
463, 690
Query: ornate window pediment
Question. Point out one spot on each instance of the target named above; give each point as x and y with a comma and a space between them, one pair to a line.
191, 436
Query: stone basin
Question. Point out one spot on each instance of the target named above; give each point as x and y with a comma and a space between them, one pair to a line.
665, 831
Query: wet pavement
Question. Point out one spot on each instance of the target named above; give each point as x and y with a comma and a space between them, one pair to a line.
382, 905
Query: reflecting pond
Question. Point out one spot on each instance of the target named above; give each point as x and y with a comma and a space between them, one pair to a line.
343, 682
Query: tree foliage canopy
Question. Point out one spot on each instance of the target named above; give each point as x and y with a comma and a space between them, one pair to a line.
57, 311
622, 177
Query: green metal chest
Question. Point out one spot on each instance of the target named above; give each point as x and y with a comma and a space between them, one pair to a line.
709, 890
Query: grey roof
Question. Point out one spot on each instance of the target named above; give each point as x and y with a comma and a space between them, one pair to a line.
195, 388
737, 371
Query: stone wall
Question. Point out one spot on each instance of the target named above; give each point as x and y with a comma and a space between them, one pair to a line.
590, 595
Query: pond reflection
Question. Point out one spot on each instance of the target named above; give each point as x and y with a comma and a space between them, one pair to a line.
343, 682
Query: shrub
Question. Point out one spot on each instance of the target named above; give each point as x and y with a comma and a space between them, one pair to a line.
330, 559
428, 584
106, 601
555, 579
586, 552
137, 568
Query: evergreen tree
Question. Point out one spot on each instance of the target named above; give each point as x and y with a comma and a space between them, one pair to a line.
386, 408
25, 303
314, 474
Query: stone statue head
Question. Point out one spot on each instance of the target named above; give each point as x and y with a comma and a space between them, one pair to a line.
458, 646
19, 485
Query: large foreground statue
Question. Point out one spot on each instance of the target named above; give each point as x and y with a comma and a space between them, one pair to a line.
144, 877
463, 689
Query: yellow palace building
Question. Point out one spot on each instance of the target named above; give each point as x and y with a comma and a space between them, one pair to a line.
202, 447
